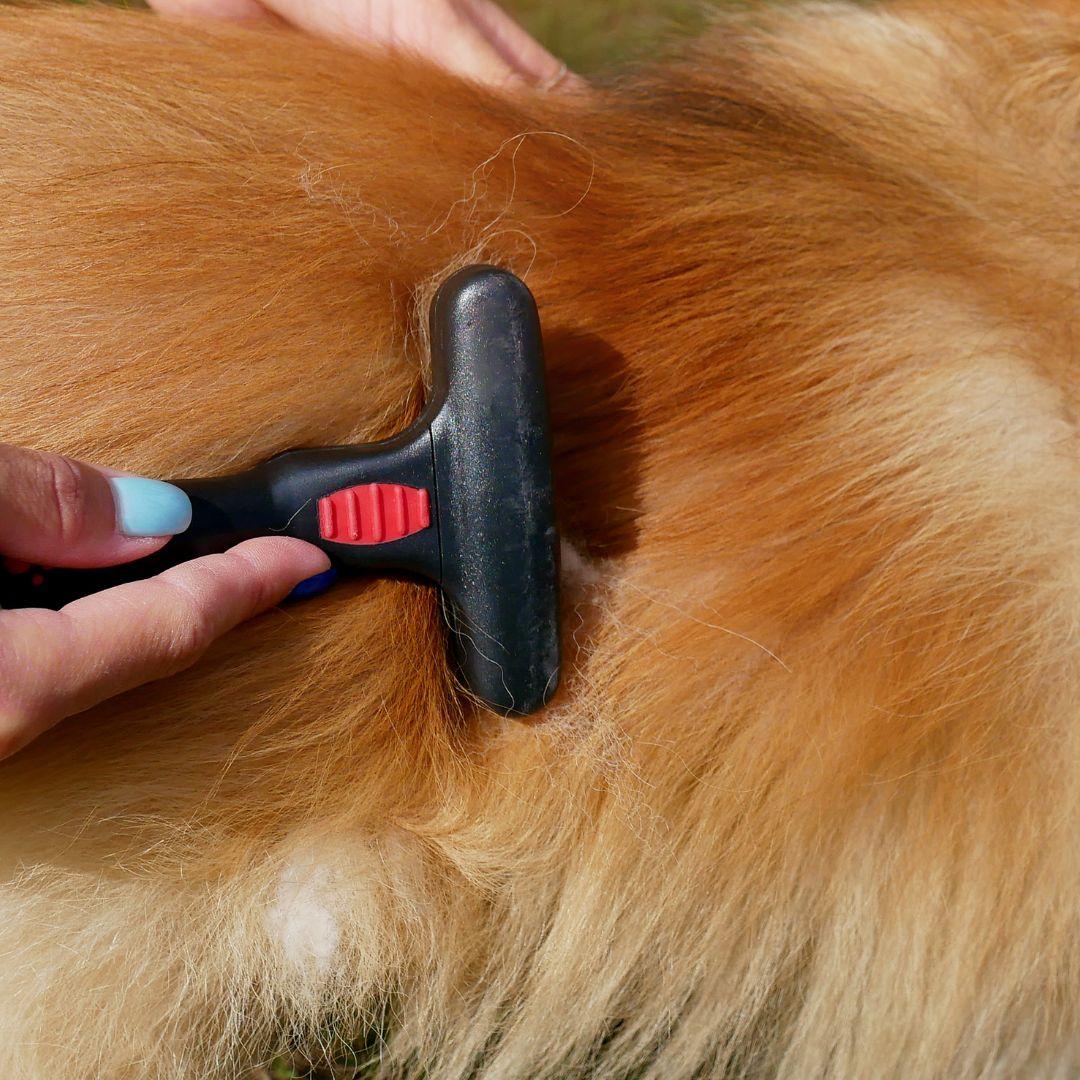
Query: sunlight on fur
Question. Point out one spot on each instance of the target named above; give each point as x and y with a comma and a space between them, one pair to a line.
807, 802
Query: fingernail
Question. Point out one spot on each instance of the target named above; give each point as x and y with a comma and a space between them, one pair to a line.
313, 586
149, 507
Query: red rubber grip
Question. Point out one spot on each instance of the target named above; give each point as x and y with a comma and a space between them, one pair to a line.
374, 513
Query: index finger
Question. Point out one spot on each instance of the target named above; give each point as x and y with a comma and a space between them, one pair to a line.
57, 663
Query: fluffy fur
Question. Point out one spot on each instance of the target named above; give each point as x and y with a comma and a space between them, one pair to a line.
807, 804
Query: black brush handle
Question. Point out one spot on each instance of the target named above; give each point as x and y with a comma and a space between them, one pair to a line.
224, 512
278, 498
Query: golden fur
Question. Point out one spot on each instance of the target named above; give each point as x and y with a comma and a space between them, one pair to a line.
807, 804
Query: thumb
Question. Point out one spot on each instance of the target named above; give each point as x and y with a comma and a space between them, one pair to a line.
61, 512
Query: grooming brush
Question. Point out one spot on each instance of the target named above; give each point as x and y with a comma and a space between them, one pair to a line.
462, 497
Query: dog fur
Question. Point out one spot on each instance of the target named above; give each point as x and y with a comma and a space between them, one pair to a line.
807, 802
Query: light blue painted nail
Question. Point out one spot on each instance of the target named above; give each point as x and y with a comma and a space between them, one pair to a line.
149, 507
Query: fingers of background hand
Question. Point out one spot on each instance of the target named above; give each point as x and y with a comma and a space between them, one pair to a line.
232, 10
472, 38
61, 512
436, 29
56, 663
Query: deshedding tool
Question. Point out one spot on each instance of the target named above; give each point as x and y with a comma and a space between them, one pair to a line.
463, 497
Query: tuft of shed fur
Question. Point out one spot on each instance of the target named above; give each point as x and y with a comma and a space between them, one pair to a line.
806, 805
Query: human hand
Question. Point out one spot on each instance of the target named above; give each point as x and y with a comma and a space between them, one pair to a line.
472, 38
58, 512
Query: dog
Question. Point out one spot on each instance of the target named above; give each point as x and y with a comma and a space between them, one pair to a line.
806, 804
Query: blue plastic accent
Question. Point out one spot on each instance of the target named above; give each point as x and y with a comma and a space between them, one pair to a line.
314, 586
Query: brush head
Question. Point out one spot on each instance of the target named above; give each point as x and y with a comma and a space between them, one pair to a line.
491, 441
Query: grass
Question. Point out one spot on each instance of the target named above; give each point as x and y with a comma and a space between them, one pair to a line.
594, 34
